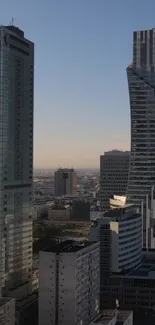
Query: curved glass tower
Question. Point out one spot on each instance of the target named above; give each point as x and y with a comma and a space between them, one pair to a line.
141, 81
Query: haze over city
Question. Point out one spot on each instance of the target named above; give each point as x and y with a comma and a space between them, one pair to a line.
82, 49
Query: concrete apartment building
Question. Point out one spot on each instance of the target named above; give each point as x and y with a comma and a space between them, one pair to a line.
114, 170
65, 182
141, 82
69, 283
16, 152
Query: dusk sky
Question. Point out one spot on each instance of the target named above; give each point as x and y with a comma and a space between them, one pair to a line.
82, 49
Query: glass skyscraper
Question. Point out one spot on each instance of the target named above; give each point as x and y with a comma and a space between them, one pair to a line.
16, 156
141, 81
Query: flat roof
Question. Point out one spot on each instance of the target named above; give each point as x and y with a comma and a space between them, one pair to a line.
108, 314
144, 269
68, 246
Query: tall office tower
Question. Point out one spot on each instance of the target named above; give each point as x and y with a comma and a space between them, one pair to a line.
120, 234
141, 81
16, 156
65, 181
69, 283
114, 169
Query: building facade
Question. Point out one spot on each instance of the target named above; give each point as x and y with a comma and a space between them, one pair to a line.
69, 283
141, 82
7, 311
16, 152
114, 169
135, 290
80, 210
119, 232
65, 182
125, 240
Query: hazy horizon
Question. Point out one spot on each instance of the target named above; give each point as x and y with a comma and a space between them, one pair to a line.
81, 100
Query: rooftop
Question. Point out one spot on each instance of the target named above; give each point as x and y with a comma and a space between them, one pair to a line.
65, 170
122, 213
68, 246
109, 314
117, 153
145, 269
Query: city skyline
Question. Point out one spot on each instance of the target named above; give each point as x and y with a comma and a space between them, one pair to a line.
81, 92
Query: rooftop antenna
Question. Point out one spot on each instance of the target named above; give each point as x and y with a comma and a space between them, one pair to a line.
12, 21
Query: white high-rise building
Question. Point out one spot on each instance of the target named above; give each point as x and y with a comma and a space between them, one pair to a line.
121, 230
114, 169
16, 156
69, 283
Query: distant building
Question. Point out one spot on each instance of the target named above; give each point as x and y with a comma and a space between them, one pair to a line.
65, 182
80, 210
114, 169
69, 283
59, 212
114, 317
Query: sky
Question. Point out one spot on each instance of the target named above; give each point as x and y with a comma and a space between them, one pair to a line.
82, 49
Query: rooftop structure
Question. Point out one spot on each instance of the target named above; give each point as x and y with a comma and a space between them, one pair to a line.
68, 246
114, 317
117, 201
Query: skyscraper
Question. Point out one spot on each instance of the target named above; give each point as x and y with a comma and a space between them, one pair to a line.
141, 81
114, 169
65, 181
16, 155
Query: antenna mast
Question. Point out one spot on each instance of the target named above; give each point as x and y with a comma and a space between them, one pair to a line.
12, 21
